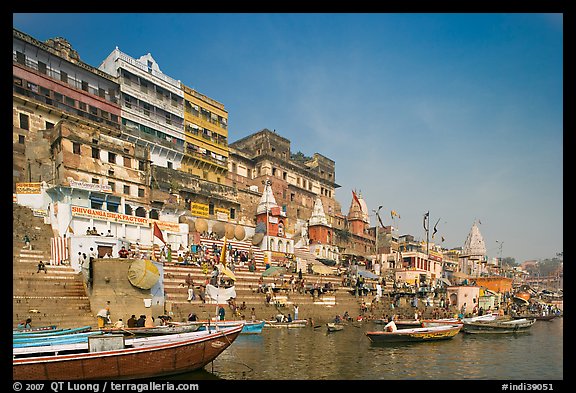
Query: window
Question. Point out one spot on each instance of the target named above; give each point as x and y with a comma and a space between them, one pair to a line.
24, 121
111, 158
58, 97
82, 106
127, 162
101, 92
112, 186
21, 139
95, 153
127, 189
63, 77
141, 165
211, 208
140, 192
169, 165
42, 68
110, 172
232, 213
20, 58
49, 125
69, 101
84, 85
76, 148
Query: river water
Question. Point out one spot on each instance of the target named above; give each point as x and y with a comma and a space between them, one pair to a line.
314, 354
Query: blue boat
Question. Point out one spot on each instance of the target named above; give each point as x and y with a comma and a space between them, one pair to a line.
51, 332
250, 327
72, 338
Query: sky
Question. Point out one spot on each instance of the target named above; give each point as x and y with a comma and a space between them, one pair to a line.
455, 114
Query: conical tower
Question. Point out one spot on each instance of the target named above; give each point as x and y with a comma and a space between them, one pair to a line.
474, 246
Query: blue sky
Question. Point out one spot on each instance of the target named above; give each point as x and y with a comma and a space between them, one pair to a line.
457, 114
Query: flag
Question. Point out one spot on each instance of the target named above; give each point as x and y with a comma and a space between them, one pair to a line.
442, 239
424, 223
356, 199
223, 253
158, 233
435, 230
70, 229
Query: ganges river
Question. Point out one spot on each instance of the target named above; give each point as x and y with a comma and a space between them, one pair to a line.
314, 354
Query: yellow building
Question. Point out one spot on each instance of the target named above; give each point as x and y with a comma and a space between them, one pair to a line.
206, 136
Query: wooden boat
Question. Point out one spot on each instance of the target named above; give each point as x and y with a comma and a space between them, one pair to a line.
35, 329
53, 340
334, 327
249, 327
440, 322
51, 332
420, 334
298, 323
401, 323
154, 330
117, 357
499, 325
538, 317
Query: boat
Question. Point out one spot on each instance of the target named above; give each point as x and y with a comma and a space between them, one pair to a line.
53, 340
51, 332
116, 357
498, 325
249, 327
420, 334
34, 329
334, 327
538, 317
440, 322
297, 323
153, 330
400, 323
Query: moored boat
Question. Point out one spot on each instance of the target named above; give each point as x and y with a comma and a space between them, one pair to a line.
53, 340
153, 330
420, 334
334, 327
298, 323
440, 322
498, 325
130, 358
51, 332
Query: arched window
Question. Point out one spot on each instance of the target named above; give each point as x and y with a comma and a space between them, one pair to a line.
154, 214
140, 212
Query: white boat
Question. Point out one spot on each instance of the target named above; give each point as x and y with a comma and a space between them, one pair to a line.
498, 325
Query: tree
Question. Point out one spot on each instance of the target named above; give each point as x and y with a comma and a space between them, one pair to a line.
508, 262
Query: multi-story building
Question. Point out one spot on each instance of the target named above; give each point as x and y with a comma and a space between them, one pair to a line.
152, 106
51, 83
206, 137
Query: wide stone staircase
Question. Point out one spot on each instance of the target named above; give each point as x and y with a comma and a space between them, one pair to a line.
55, 297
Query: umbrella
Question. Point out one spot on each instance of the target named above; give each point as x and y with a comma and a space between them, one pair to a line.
273, 271
322, 269
367, 274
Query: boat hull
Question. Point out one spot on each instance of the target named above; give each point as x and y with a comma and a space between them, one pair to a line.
299, 323
187, 352
334, 327
497, 327
415, 335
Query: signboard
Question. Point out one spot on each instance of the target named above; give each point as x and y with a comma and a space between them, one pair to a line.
86, 212
90, 186
199, 209
28, 188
